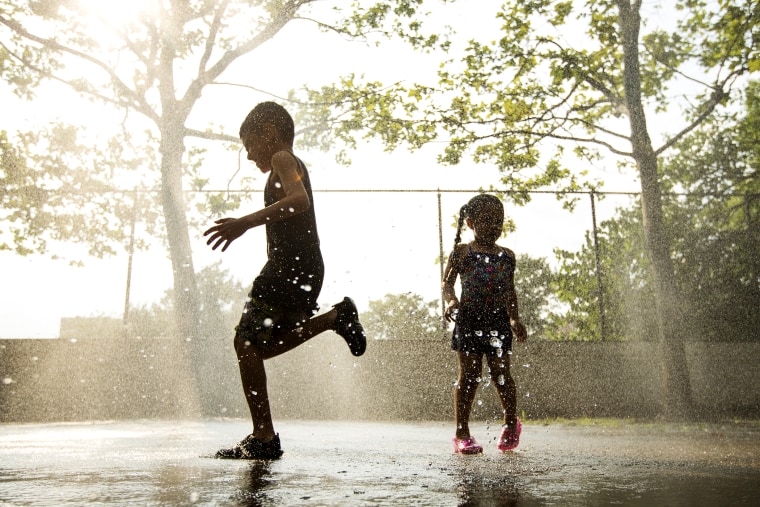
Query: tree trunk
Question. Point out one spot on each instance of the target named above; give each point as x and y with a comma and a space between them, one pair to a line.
186, 306
678, 402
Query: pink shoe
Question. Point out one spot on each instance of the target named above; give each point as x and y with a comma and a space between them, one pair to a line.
510, 438
467, 446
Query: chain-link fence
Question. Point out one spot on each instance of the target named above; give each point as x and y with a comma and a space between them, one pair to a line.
375, 243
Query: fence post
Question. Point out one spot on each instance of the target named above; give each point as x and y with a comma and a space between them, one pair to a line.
440, 259
131, 252
602, 324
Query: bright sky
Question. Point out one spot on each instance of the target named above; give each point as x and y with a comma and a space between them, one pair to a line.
373, 243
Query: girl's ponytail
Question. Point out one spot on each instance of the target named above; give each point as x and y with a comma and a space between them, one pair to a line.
462, 213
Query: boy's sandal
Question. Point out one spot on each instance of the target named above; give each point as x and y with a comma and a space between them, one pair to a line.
348, 326
252, 448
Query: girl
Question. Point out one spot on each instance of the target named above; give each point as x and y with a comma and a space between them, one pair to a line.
485, 319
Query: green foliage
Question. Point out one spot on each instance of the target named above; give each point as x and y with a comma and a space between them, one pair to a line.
535, 293
403, 317
55, 187
500, 100
627, 291
714, 228
221, 297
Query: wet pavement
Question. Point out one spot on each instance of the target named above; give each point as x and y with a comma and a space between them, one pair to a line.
363, 463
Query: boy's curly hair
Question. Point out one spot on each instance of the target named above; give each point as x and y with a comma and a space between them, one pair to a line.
269, 112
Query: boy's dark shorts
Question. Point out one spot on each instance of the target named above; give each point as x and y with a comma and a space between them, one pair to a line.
282, 298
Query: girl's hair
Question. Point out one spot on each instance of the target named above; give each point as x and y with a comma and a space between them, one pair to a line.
473, 208
269, 112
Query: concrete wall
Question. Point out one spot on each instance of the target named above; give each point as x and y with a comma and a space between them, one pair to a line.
66, 380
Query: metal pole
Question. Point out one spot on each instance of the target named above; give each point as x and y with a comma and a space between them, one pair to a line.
603, 327
440, 257
125, 321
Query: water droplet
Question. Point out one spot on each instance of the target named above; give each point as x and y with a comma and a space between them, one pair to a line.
291, 210
501, 380
478, 333
494, 332
7, 380
526, 365
254, 393
268, 322
277, 184
480, 402
73, 340
306, 287
527, 395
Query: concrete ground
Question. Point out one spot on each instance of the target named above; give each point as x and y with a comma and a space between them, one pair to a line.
364, 463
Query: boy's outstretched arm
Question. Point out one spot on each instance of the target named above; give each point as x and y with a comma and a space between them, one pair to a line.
296, 201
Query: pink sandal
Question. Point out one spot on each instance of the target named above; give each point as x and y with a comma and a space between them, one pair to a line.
510, 438
467, 446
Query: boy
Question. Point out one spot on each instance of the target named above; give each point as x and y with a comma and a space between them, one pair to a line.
279, 313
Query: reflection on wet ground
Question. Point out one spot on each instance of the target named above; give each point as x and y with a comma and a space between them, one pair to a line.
345, 463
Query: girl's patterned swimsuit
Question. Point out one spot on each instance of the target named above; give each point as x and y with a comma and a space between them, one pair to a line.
483, 321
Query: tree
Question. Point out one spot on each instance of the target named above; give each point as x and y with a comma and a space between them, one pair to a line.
150, 63
220, 295
712, 220
402, 317
533, 89
535, 296
716, 223
626, 285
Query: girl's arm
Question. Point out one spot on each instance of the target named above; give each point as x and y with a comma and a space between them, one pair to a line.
518, 329
450, 274
296, 201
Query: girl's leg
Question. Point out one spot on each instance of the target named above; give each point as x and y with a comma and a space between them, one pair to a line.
505, 387
470, 367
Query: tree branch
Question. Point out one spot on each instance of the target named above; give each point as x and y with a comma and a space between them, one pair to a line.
142, 106
278, 21
211, 39
211, 136
716, 97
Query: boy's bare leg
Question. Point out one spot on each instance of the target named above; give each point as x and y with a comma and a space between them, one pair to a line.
254, 380
286, 340
253, 375
470, 367
505, 387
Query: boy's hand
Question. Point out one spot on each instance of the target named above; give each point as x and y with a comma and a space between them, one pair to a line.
225, 232
518, 329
